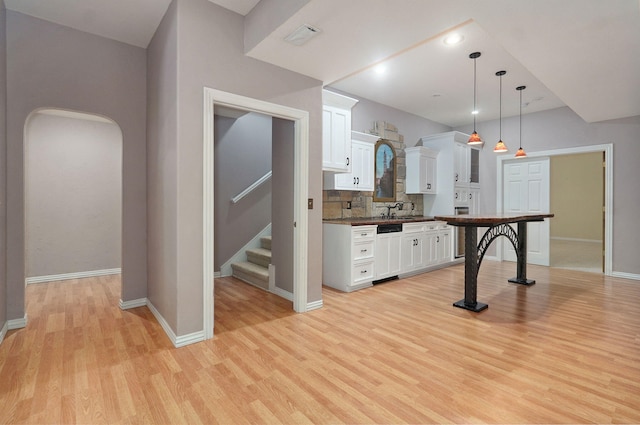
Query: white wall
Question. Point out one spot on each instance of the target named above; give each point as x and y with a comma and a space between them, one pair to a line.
73, 200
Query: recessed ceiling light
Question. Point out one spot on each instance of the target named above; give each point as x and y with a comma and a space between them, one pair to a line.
380, 69
474, 112
453, 39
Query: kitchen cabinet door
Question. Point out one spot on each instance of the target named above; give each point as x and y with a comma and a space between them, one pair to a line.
388, 255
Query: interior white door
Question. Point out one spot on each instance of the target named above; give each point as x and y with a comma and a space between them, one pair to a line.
526, 190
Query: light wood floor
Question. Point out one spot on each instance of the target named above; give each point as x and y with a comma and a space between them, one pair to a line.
566, 350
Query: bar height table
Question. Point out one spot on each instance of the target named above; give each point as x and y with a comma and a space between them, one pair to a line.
473, 252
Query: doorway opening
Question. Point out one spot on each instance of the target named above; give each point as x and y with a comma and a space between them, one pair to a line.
296, 223
577, 200
606, 152
72, 196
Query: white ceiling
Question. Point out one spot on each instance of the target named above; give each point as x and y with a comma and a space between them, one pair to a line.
581, 53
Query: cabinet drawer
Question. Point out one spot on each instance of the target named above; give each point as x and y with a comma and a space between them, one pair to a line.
413, 227
364, 232
363, 272
362, 250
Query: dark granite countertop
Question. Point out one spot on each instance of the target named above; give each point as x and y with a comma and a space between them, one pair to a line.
368, 221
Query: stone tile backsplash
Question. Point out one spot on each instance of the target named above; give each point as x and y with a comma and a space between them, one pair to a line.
335, 203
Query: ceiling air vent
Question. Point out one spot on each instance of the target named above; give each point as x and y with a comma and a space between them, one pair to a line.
302, 34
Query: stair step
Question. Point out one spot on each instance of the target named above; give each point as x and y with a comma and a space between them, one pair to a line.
259, 256
251, 273
265, 242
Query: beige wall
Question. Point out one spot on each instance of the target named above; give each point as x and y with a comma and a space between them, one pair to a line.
49, 65
577, 196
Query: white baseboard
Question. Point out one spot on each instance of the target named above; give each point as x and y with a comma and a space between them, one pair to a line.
314, 305
12, 324
626, 275
282, 293
177, 341
555, 238
67, 276
3, 331
17, 323
140, 302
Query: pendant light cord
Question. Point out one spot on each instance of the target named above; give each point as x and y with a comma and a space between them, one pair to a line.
500, 106
475, 111
520, 118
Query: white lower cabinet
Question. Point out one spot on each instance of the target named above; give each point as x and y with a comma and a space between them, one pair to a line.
356, 256
413, 247
388, 255
444, 249
348, 256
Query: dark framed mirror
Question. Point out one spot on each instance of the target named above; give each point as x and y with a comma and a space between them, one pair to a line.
385, 172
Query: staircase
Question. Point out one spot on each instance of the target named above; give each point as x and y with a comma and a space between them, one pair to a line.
255, 270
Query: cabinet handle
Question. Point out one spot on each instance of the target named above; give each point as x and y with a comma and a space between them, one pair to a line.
363, 250
363, 234
358, 179
428, 185
354, 180
438, 239
363, 271
456, 176
469, 196
347, 160
456, 194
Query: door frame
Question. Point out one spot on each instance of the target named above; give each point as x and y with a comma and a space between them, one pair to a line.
608, 192
213, 98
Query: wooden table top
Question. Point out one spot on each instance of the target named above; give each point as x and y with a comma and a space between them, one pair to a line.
490, 219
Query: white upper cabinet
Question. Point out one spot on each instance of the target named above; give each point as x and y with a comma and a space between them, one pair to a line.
421, 170
457, 174
361, 175
336, 131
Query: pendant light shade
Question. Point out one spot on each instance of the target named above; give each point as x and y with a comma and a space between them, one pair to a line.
521, 153
500, 146
475, 137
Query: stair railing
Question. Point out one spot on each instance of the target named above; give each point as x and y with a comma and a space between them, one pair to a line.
249, 189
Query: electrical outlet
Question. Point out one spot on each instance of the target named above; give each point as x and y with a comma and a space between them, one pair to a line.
348, 205
310, 203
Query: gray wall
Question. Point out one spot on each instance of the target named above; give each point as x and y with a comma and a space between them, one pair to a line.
3, 165
562, 128
49, 65
211, 51
162, 163
73, 183
242, 156
282, 207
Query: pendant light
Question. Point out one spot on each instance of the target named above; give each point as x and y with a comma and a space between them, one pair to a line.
500, 146
475, 137
521, 153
